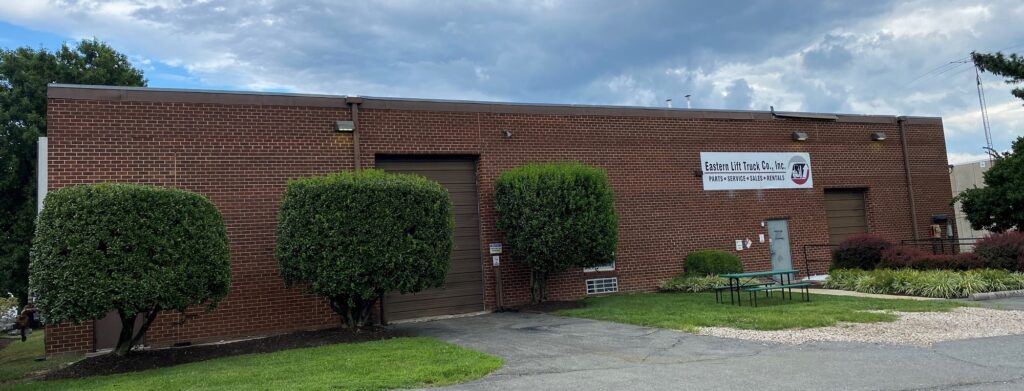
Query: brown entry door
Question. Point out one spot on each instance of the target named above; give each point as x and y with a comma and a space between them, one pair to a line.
845, 213
462, 291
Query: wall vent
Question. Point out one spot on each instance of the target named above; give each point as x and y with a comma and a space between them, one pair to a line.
602, 285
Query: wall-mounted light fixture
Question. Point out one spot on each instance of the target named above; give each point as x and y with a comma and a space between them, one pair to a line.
799, 136
507, 133
344, 126
878, 136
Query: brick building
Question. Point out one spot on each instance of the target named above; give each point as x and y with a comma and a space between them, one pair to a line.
880, 174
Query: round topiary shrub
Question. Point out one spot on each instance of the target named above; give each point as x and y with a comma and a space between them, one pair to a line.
556, 216
1002, 251
353, 236
862, 251
711, 263
130, 248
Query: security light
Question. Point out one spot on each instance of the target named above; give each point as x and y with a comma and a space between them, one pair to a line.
344, 126
799, 136
878, 136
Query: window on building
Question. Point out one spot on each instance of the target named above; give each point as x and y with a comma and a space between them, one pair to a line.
602, 285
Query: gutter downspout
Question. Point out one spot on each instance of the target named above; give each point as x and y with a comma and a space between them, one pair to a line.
906, 170
353, 102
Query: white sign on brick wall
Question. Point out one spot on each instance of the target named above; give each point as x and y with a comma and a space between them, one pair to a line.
756, 170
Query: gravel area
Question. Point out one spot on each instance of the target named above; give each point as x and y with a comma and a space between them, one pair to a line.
913, 328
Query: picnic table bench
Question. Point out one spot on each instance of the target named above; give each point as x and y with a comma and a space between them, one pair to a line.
748, 282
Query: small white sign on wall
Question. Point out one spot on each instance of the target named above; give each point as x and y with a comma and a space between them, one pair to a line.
739, 245
756, 170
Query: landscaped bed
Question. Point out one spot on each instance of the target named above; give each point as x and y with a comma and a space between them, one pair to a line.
325, 359
110, 364
377, 365
691, 311
925, 283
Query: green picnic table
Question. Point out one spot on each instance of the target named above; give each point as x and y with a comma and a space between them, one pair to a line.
746, 282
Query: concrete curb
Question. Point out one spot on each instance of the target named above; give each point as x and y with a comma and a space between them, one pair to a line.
996, 295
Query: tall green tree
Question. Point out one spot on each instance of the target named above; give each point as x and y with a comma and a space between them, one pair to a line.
24, 74
999, 206
1011, 67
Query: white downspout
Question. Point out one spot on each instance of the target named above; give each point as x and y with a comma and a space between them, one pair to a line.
41, 169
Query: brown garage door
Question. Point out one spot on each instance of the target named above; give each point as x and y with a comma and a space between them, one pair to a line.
844, 210
463, 288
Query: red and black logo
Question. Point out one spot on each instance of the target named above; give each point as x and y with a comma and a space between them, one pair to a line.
799, 170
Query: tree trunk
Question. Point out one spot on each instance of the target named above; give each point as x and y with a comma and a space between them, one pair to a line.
128, 337
355, 316
538, 286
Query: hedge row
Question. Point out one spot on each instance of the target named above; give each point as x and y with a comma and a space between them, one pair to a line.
866, 252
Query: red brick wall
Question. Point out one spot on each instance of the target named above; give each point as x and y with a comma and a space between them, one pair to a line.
241, 155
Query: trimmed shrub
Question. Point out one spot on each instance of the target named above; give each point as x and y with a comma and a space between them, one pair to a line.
862, 251
1002, 251
130, 248
684, 283
711, 263
897, 257
926, 283
556, 216
353, 236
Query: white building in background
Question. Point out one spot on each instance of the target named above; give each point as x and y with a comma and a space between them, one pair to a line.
962, 177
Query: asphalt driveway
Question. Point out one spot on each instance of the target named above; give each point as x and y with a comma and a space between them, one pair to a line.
546, 352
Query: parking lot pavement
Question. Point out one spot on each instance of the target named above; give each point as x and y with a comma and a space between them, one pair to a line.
546, 352
1006, 303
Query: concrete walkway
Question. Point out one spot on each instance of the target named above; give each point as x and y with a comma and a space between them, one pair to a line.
838, 292
546, 352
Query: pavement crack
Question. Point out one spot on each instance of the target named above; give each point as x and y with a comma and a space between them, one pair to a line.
969, 362
964, 384
678, 340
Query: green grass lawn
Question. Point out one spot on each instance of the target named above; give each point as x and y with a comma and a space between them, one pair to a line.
687, 311
17, 360
379, 365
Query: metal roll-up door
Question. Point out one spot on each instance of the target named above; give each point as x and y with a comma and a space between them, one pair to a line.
846, 214
462, 291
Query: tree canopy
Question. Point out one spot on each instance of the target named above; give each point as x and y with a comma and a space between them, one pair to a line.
1000, 205
556, 216
1011, 67
354, 236
131, 248
24, 75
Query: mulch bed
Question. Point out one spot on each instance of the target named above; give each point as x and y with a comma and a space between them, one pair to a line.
109, 364
548, 306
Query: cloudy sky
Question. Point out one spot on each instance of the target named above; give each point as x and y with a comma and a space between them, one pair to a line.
865, 57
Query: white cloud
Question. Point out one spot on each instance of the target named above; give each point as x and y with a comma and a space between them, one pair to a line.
869, 57
628, 93
961, 158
